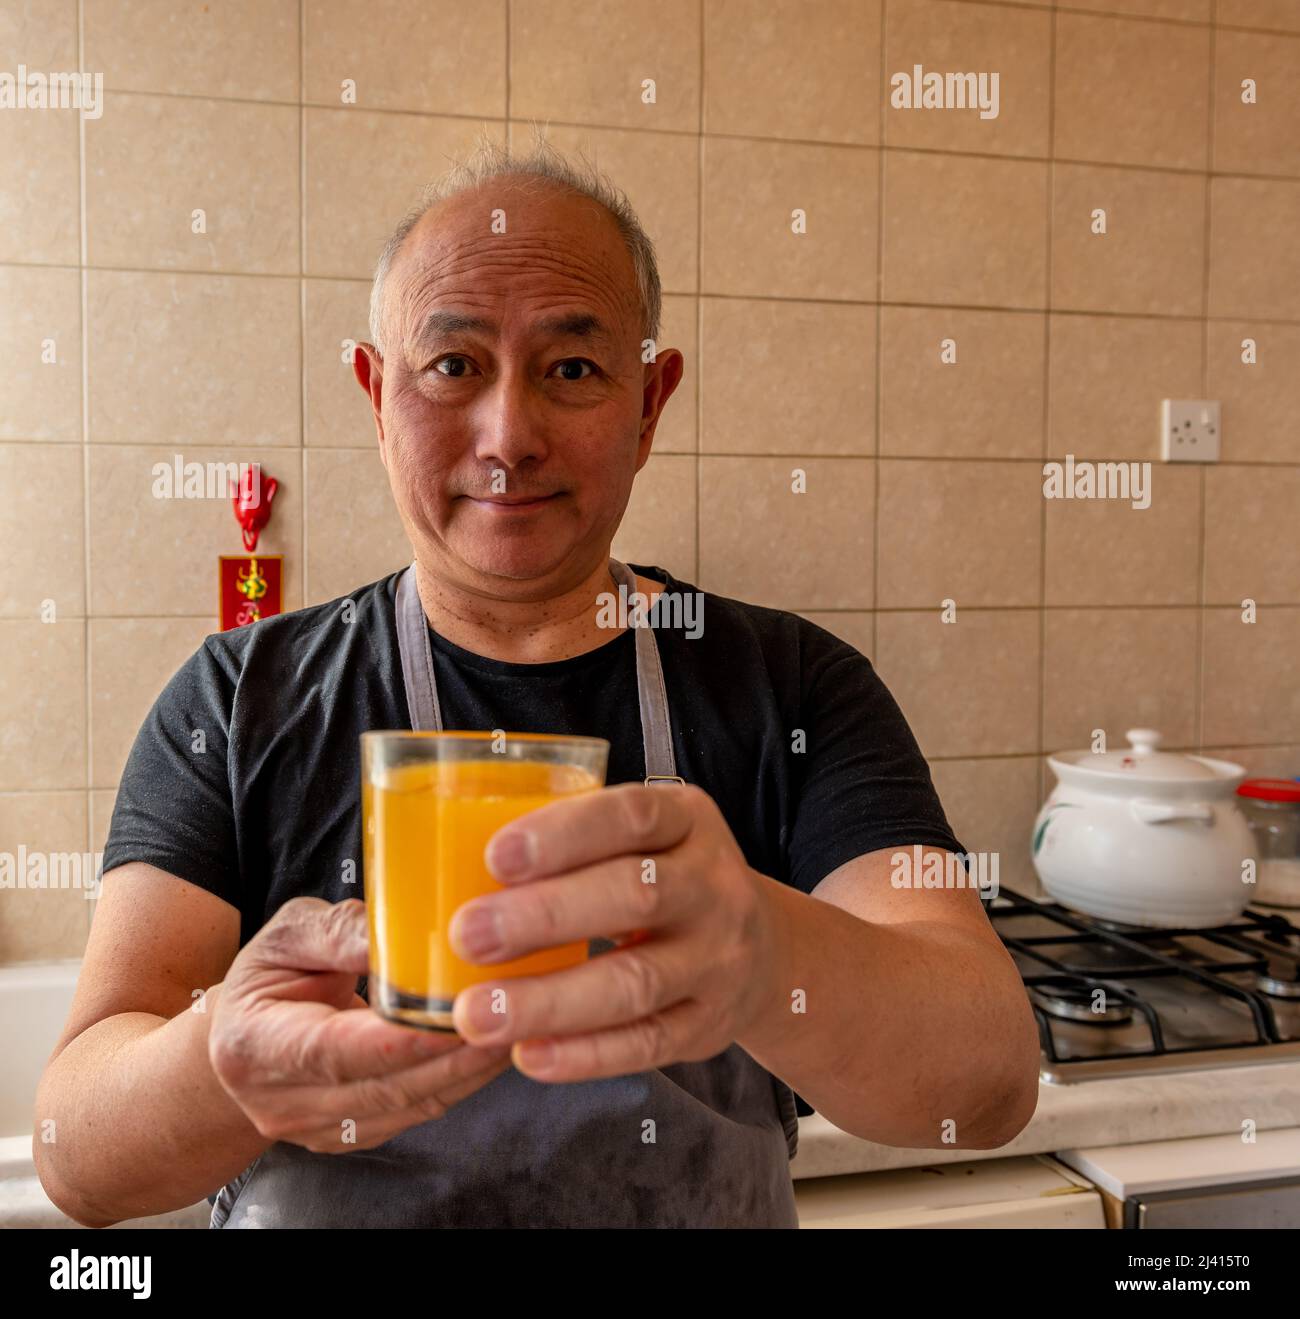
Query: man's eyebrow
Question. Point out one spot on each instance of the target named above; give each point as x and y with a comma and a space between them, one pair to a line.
578, 324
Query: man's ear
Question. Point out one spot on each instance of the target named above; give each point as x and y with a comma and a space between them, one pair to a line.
368, 367
662, 376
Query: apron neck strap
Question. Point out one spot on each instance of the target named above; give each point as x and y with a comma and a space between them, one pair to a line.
422, 686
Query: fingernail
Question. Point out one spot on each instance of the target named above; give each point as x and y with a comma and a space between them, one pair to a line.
510, 853
537, 1054
478, 931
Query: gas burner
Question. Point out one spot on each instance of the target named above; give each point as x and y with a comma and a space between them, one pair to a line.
1275, 987
1075, 1002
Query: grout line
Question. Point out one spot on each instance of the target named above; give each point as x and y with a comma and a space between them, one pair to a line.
1041, 725
1025, 460
304, 575
809, 300
903, 304
588, 126
88, 745
920, 607
699, 297
1202, 537
878, 438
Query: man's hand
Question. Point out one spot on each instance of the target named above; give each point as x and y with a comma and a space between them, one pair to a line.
304, 1056
657, 870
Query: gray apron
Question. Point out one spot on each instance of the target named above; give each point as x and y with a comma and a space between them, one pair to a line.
695, 1144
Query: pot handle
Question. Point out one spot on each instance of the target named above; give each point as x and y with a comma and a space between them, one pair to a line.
1159, 812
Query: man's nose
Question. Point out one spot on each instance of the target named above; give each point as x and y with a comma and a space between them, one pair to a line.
510, 427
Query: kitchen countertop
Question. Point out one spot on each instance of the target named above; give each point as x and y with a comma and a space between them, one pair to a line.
1123, 1111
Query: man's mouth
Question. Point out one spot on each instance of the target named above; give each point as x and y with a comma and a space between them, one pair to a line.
513, 503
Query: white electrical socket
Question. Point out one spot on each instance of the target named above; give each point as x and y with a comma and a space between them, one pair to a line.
1189, 430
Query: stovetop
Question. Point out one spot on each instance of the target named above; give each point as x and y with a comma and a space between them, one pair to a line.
1117, 1000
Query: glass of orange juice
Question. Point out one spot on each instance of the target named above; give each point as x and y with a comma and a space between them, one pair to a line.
429, 804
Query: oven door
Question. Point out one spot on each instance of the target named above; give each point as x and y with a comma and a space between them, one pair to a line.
1273, 1203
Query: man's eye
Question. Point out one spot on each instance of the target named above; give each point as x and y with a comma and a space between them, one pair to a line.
577, 361
451, 357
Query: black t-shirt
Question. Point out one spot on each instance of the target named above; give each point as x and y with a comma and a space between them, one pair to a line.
245, 777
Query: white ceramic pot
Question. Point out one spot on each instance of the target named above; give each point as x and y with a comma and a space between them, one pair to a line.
1145, 837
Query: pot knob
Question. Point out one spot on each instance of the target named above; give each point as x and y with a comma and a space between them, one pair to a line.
1143, 740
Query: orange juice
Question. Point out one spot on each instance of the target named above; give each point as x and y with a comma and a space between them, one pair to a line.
426, 826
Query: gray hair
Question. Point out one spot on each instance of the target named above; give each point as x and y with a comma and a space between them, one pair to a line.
490, 160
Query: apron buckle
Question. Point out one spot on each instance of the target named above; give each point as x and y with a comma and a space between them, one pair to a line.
652, 779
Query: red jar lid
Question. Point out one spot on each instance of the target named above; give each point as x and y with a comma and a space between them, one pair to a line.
1270, 789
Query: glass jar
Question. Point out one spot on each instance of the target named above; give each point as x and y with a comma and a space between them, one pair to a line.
1272, 806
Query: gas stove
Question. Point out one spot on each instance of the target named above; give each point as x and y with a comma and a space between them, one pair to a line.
1117, 1000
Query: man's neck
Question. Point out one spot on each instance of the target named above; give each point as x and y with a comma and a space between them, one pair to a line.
523, 632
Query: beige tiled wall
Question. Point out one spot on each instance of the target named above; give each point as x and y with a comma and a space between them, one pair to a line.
816, 351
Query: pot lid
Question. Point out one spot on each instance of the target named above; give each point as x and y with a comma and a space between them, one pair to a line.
1270, 790
1141, 761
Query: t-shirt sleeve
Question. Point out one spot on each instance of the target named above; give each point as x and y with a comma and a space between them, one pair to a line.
865, 785
174, 806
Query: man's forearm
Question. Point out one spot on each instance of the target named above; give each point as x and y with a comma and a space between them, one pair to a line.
916, 1035
141, 1124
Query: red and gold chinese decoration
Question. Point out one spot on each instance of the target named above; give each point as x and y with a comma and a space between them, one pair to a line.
251, 584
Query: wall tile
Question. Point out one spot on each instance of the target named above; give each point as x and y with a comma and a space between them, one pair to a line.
244, 48
40, 184
1251, 547
43, 924
585, 64
131, 661
677, 431
960, 230
1248, 677
967, 688
970, 532
956, 38
789, 377
1259, 138
751, 191
1105, 551
1161, 117
1260, 762
991, 805
434, 57
1254, 258
43, 695
1280, 15
337, 413
1140, 362
762, 543
39, 399
659, 526
156, 159
988, 403
170, 359
1149, 260
42, 544
793, 70
154, 556
354, 535
1196, 11
1261, 400
1117, 669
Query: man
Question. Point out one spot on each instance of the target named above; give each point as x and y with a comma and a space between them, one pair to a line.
217, 1032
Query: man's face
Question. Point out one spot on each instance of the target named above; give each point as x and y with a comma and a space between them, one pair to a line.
513, 407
